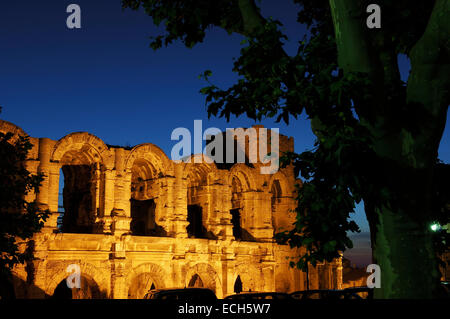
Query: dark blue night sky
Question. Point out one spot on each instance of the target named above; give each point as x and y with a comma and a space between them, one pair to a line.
104, 78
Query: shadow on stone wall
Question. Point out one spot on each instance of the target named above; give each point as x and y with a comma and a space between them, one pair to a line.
13, 287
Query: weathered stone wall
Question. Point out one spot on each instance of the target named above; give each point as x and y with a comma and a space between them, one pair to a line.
114, 196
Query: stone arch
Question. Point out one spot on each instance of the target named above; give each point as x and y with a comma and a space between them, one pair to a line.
286, 188
148, 166
207, 274
16, 131
83, 158
199, 168
82, 148
88, 290
152, 154
8, 127
197, 177
241, 182
251, 277
144, 277
281, 200
56, 273
245, 175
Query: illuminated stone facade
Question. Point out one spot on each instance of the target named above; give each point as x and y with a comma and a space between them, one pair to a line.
134, 219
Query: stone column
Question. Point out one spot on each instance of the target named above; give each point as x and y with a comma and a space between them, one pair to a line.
45, 149
122, 185
118, 191
163, 202
313, 277
229, 273
53, 195
268, 277
222, 205
339, 273
48, 170
104, 220
118, 278
179, 218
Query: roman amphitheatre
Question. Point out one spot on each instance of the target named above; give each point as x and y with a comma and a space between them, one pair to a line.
132, 220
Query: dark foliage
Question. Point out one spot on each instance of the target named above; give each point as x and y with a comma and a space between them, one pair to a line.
19, 219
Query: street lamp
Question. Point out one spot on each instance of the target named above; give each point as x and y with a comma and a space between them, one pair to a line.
435, 227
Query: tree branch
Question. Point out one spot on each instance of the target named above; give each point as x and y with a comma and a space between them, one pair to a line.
429, 80
251, 16
354, 51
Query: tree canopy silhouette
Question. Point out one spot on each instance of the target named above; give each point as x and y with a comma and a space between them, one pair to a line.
19, 219
377, 136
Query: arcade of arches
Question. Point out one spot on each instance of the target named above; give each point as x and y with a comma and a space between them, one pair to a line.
133, 220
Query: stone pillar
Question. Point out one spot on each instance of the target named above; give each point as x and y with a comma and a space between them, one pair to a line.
38, 280
339, 278
122, 185
223, 202
229, 273
105, 219
53, 189
45, 148
179, 218
165, 203
268, 278
313, 277
118, 278
117, 219
48, 170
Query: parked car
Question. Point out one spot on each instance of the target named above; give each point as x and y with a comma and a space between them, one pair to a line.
358, 293
189, 294
259, 295
445, 289
323, 294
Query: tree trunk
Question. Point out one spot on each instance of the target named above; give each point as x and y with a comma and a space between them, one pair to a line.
400, 232
404, 251
399, 207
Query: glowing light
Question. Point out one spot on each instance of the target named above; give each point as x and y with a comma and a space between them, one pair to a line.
435, 227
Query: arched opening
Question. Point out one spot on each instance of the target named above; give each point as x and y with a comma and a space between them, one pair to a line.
144, 189
236, 204
195, 227
236, 222
88, 290
238, 285
196, 282
140, 285
198, 202
78, 202
143, 218
237, 207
